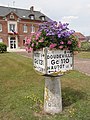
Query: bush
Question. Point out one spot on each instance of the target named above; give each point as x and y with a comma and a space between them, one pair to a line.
3, 48
85, 46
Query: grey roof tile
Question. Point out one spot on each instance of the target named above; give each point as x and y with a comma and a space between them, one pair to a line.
22, 13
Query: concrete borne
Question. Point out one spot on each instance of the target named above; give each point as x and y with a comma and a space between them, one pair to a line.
52, 95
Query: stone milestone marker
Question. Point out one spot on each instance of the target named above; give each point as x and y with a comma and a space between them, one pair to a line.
48, 62
52, 96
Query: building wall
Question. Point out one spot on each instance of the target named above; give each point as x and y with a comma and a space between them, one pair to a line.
5, 35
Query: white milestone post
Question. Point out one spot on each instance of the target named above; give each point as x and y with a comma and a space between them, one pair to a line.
49, 62
52, 95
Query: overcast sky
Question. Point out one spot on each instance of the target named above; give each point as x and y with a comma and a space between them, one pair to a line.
74, 12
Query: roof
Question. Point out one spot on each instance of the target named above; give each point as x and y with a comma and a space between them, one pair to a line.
22, 13
79, 35
88, 37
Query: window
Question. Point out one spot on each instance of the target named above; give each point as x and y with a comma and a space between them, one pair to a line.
23, 42
11, 16
11, 27
0, 27
32, 17
25, 28
1, 40
32, 29
43, 18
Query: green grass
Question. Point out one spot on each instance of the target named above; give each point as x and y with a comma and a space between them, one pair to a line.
85, 55
22, 90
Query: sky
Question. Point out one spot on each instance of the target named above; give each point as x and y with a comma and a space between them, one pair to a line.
74, 12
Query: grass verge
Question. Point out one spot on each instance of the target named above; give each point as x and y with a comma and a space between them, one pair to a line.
84, 54
22, 91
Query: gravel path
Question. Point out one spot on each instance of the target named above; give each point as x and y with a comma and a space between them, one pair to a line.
82, 65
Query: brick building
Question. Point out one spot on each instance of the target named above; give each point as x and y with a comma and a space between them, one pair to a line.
80, 36
16, 24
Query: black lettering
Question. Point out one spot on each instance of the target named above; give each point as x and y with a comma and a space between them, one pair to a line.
57, 61
36, 61
52, 62
67, 60
41, 62
36, 54
47, 56
57, 56
63, 65
51, 67
51, 56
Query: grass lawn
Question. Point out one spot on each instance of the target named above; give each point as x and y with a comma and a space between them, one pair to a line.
22, 91
85, 55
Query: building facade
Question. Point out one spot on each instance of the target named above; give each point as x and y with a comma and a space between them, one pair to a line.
16, 24
80, 36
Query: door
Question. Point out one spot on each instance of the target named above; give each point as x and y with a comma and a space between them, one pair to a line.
12, 43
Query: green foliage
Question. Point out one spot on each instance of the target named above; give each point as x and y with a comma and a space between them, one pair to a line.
3, 48
85, 46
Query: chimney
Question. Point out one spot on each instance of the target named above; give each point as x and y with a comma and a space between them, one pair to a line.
32, 8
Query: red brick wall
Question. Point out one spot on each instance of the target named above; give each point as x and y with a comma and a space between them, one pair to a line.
21, 35
4, 32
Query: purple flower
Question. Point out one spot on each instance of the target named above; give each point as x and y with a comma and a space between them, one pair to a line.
59, 35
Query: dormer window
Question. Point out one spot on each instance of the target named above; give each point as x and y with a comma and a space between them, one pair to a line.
42, 18
32, 17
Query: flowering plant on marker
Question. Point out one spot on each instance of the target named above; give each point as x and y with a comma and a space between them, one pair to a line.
52, 35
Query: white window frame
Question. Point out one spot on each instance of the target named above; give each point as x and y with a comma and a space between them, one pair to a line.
0, 27
25, 28
32, 29
16, 38
13, 23
1, 40
32, 17
43, 18
11, 27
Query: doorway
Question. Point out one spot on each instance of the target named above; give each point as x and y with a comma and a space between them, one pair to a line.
12, 43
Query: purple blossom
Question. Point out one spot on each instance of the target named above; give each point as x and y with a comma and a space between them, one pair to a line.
59, 35
53, 35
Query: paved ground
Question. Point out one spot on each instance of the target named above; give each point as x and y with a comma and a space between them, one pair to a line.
82, 65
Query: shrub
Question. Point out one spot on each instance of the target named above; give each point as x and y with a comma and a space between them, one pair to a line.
85, 46
3, 48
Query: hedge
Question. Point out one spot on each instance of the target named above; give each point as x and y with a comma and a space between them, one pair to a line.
85, 46
3, 48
